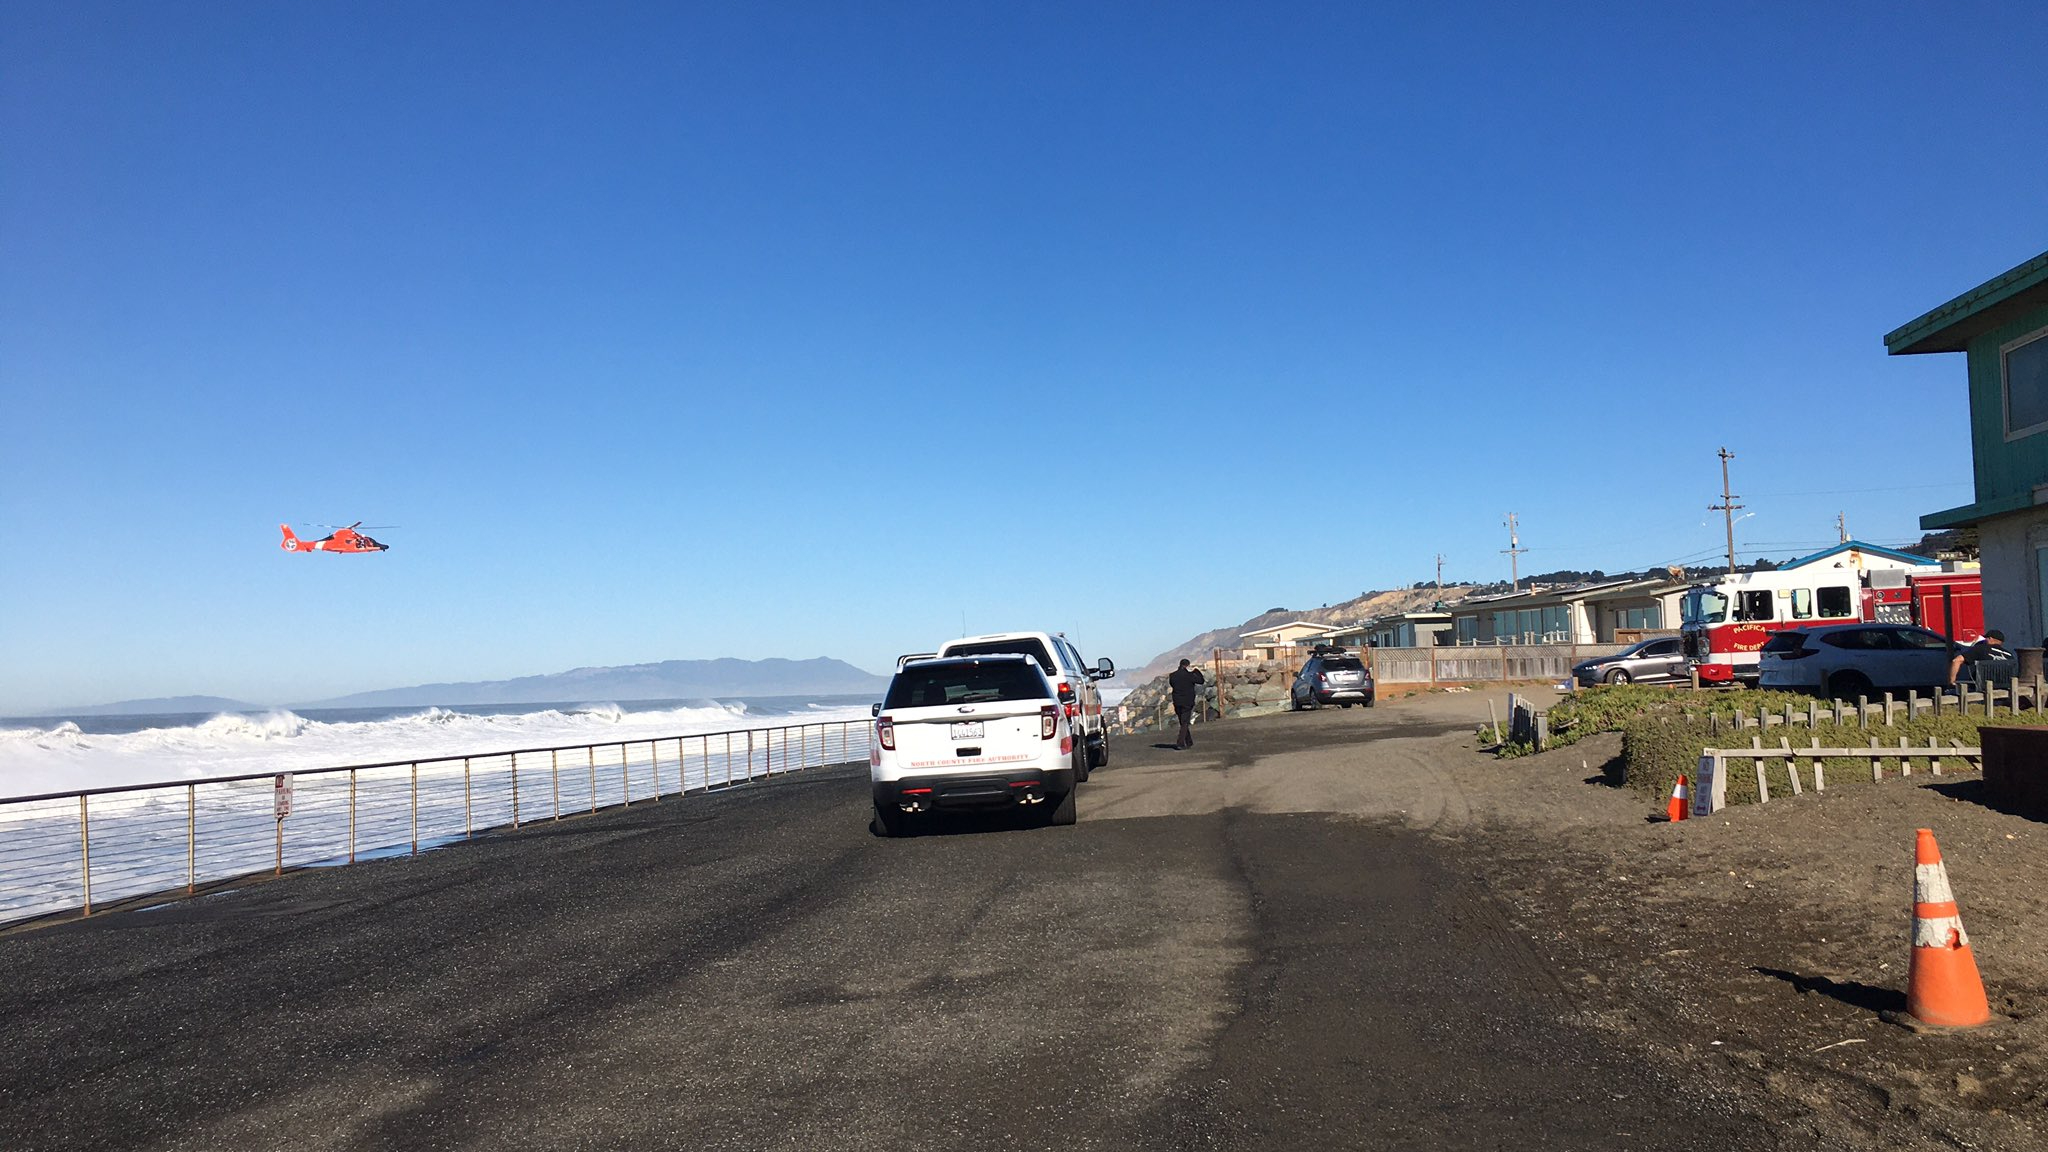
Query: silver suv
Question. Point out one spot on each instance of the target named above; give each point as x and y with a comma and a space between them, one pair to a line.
1071, 677
1331, 676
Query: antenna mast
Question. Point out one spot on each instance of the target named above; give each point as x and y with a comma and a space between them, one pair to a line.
1727, 507
1513, 552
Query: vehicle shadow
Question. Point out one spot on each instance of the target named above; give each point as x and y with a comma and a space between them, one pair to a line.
972, 823
1854, 993
1974, 792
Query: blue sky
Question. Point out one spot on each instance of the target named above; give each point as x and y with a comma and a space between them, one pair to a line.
679, 331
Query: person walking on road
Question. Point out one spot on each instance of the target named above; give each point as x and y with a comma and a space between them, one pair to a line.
1186, 683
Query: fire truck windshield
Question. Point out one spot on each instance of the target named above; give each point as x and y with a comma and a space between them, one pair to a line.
1704, 606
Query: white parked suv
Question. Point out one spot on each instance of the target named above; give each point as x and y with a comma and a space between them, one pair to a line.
1072, 680
984, 732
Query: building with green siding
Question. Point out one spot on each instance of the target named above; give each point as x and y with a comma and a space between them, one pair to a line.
2001, 327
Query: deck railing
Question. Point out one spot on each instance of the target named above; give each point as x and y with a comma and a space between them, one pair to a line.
73, 852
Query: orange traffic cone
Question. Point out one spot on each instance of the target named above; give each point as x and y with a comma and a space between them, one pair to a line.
1942, 985
1680, 805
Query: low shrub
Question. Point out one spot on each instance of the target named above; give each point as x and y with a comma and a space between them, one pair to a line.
1657, 746
1609, 707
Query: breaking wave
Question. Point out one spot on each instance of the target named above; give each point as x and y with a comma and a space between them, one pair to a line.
63, 758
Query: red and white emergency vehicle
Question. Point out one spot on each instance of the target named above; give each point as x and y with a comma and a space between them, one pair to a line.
1726, 621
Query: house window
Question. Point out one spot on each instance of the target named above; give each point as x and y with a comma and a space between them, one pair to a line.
1650, 617
2023, 365
2041, 578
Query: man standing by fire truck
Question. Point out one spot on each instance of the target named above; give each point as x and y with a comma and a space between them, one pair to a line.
1990, 647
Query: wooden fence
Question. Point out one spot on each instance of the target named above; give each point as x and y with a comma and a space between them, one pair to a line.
1710, 789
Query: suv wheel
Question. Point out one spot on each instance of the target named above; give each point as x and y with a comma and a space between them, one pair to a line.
1063, 813
888, 821
1848, 685
1098, 751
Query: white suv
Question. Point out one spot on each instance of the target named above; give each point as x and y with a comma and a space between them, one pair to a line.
982, 732
1073, 680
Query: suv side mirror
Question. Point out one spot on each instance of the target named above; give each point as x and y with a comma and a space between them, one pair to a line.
1104, 669
875, 710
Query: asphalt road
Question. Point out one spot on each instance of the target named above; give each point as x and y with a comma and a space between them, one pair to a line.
1231, 950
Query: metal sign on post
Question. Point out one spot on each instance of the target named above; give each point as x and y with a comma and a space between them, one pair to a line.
1709, 786
281, 805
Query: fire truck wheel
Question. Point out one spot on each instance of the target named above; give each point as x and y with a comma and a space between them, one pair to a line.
1619, 676
1848, 685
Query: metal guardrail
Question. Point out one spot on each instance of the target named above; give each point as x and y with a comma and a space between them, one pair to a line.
73, 851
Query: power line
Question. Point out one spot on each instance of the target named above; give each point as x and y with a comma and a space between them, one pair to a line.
1860, 491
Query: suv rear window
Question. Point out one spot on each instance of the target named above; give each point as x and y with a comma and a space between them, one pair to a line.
1785, 642
971, 682
1342, 664
1024, 647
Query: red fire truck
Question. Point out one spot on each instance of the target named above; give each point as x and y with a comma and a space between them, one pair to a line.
1726, 622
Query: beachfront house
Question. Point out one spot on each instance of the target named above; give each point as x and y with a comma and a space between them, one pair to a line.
1609, 612
2001, 327
1267, 643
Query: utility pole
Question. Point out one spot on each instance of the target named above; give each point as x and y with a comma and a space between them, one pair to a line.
1842, 527
1727, 507
1513, 551
1439, 571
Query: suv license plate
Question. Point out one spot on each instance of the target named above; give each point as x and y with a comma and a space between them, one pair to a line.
967, 730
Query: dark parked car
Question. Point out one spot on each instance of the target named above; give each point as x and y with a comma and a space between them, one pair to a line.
1659, 659
1331, 677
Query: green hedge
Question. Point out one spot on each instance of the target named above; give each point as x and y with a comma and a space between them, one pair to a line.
1608, 707
1664, 731
1658, 745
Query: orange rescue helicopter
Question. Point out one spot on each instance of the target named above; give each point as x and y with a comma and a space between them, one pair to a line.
340, 540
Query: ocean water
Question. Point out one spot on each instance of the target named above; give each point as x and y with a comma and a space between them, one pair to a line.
63, 754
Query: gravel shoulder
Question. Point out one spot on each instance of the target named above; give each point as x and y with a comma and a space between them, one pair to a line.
1759, 946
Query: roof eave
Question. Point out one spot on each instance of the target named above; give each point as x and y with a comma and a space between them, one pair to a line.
1950, 327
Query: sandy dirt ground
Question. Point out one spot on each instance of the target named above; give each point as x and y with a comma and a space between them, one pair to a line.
1761, 944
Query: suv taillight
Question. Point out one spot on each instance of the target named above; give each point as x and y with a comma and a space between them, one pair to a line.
1048, 722
885, 731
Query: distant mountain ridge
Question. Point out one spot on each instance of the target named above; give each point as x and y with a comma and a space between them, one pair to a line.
667, 680
158, 706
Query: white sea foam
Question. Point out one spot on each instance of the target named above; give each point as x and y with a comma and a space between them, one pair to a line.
62, 758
